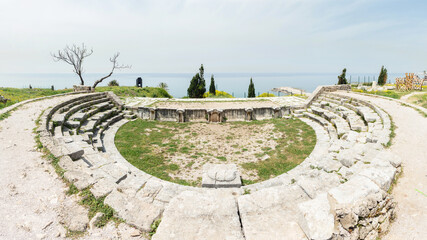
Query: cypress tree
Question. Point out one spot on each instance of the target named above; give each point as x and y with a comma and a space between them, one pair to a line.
212, 89
251, 90
341, 78
382, 78
197, 85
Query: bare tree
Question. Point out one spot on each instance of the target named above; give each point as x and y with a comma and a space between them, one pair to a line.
116, 65
75, 55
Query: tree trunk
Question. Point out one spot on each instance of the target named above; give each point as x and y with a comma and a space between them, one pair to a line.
101, 79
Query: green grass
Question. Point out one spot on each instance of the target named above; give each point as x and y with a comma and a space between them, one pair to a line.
139, 149
420, 100
150, 153
388, 93
290, 152
20, 94
136, 91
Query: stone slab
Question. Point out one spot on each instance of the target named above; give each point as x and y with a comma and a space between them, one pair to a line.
221, 176
137, 213
271, 213
316, 218
201, 215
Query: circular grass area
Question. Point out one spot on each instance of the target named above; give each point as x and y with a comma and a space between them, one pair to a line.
176, 152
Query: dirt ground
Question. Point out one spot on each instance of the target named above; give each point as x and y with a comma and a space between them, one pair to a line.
221, 143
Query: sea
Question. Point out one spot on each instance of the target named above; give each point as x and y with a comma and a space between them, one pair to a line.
233, 83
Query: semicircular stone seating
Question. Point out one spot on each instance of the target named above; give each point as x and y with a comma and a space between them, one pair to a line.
338, 192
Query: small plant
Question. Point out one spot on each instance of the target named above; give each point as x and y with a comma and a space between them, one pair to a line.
154, 227
113, 83
293, 181
246, 191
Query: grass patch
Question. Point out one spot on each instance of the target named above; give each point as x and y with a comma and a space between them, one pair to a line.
420, 100
20, 94
154, 147
290, 151
136, 91
154, 227
388, 93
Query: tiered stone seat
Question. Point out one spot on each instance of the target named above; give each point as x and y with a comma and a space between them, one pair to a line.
338, 192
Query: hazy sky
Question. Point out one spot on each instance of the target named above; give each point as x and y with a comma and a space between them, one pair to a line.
225, 35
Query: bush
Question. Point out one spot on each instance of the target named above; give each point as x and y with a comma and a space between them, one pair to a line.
218, 94
266, 95
113, 83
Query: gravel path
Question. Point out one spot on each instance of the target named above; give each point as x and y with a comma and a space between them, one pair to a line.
30, 191
32, 195
410, 144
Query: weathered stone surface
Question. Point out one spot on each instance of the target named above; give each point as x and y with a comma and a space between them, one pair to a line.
150, 191
317, 181
137, 213
201, 215
116, 171
221, 176
103, 187
272, 213
74, 216
74, 151
353, 192
382, 176
394, 160
80, 179
316, 218
346, 158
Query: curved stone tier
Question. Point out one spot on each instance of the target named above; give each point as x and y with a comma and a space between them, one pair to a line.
338, 192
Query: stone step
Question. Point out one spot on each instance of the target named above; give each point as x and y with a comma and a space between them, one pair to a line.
84, 105
130, 116
272, 212
197, 215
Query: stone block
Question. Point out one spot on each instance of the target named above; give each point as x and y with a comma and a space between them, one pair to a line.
271, 213
221, 176
201, 215
137, 213
352, 193
316, 218
73, 150
103, 187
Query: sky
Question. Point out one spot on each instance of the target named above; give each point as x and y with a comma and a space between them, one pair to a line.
176, 36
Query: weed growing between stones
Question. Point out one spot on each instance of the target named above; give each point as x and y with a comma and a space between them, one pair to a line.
154, 227
392, 133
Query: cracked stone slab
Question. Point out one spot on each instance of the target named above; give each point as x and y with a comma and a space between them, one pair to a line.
194, 215
316, 218
103, 187
137, 213
221, 176
271, 213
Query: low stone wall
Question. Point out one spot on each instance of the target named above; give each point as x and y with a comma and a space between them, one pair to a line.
203, 115
321, 89
83, 88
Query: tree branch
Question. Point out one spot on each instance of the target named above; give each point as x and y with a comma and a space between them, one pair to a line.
115, 66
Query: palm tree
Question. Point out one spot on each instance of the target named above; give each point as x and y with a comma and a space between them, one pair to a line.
163, 85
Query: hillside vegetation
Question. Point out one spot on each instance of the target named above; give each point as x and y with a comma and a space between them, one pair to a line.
20, 94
